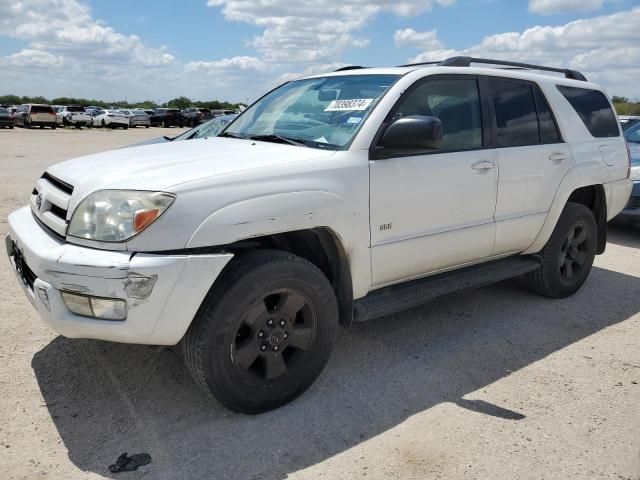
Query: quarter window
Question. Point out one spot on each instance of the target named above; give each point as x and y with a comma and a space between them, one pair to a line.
594, 110
456, 102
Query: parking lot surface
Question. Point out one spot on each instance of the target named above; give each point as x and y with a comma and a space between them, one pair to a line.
494, 384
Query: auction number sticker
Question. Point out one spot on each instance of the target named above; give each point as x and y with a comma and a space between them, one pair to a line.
349, 105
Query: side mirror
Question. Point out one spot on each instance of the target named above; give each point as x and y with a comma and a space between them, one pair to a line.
413, 133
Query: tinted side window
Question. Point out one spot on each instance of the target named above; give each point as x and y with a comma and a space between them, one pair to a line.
456, 102
515, 110
548, 128
594, 110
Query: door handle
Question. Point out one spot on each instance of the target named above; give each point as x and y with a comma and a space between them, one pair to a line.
483, 166
557, 157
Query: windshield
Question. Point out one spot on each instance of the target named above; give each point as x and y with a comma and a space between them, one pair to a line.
632, 134
75, 109
3, 110
321, 112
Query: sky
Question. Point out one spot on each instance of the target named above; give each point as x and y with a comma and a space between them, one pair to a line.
235, 50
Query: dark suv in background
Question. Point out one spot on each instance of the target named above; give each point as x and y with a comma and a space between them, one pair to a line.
167, 117
195, 116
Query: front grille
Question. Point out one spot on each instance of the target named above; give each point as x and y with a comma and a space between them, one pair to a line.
634, 202
65, 187
50, 202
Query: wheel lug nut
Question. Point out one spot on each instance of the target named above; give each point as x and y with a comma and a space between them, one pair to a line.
263, 348
270, 322
276, 348
286, 335
282, 322
260, 334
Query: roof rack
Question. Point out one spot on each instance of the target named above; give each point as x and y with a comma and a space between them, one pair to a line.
467, 61
349, 67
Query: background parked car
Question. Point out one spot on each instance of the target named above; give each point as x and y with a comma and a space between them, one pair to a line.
195, 116
35, 115
73, 115
210, 128
167, 117
137, 118
110, 118
631, 212
628, 120
6, 118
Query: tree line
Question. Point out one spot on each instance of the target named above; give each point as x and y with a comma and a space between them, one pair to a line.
180, 102
624, 106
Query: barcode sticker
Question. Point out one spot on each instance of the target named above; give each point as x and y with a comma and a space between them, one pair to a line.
349, 105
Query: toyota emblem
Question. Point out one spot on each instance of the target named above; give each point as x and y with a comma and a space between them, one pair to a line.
39, 201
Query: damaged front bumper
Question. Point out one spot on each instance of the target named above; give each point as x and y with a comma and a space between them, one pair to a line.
162, 292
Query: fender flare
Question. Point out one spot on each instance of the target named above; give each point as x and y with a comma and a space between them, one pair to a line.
581, 175
272, 214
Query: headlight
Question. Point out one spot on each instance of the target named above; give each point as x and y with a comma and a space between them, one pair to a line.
117, 215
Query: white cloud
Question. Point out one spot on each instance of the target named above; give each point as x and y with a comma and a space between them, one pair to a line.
425, 40
605, 48
238, 63
32, 58
313, 32
549, 7
66, 27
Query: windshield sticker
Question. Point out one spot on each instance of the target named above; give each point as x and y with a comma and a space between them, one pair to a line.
355, 120
322, 139
349, 105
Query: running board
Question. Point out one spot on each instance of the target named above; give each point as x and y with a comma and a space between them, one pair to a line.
414, 293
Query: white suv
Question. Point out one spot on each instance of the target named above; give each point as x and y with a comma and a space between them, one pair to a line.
334, 198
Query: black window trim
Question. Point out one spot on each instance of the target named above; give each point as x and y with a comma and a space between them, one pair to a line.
532, 85
377, 152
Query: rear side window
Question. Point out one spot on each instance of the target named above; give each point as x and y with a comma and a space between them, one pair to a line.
594, 110
515, 110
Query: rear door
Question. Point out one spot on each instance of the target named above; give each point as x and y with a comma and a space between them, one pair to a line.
532, 160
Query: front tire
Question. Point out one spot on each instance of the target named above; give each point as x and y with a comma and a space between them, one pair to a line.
264, 332
568, 255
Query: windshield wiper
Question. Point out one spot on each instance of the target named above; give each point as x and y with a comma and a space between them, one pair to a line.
277, 138
230, 135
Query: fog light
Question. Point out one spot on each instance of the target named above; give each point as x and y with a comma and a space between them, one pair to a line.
96, 307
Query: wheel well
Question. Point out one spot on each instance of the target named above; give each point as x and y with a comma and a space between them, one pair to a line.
594, 198
319, 246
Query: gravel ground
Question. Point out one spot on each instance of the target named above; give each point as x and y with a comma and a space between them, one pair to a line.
494, 384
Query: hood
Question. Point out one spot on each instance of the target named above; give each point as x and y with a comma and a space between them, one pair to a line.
161, 166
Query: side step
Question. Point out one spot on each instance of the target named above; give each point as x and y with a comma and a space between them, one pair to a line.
411, 294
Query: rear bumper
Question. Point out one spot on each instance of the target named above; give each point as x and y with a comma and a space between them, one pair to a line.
617, 194
159, 316
631, 211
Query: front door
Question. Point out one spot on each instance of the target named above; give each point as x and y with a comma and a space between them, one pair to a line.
434, 210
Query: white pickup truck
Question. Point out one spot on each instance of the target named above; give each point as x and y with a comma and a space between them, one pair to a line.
338, 197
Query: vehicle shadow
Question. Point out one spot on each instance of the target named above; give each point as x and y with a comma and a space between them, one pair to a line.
106, 398
623, 234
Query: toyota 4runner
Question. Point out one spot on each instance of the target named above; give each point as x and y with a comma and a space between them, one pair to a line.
335, 198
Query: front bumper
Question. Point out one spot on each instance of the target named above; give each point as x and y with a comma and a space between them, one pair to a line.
159, 317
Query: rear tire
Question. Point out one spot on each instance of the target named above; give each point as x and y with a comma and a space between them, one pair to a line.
264, 332
568, 255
